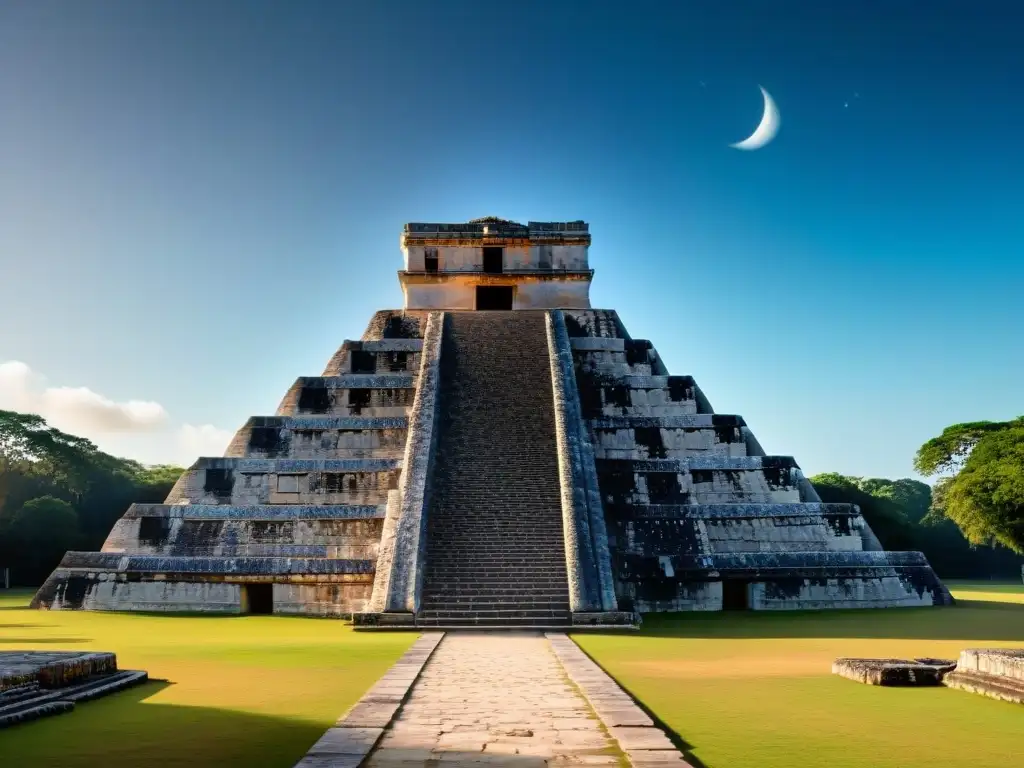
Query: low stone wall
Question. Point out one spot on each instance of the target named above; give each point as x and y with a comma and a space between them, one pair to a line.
359, 394
244, 482
700, 480
894, 672
812, 594
52, 669
337, 600
69, 590
671, 596
345, 539
994, 672
383, 357
802, 534
224, 593
1000, 662
320, 437
617, 438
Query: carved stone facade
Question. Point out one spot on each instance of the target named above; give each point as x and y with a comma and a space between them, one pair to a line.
496, 264
337, 504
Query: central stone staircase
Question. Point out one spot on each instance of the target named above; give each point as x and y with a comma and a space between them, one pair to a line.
495, 549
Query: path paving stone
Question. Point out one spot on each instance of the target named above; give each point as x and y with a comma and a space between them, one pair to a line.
347, 744
644, 743
509, 699
498, 699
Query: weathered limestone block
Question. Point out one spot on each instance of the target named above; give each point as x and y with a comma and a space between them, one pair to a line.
1000, 662
812, 594
357, 394
52, 669
652, 596
994, 672
588, 561
340, 599
244, 481
399, 567
74, 590
319, 437
894, 672
396, 324
309, 537
386, 356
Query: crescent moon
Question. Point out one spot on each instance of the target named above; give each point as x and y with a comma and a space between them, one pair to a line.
766, 129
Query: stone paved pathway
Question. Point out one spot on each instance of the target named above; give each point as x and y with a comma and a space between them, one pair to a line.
494, 699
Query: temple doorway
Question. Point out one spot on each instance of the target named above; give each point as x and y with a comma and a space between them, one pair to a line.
258, 598
494, 297
735, 595
493, 260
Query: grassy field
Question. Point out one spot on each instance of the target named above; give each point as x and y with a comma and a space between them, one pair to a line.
237, 691
756, 690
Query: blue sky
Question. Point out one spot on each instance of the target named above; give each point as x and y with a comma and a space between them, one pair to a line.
199, 201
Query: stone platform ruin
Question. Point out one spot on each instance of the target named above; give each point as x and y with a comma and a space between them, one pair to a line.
36, 684
496, 453
894, 672
994, 672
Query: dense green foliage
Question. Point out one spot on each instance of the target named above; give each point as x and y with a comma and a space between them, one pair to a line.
60, 492
901, 513
982, 489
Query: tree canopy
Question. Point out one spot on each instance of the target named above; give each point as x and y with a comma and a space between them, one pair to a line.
900, 513
59, 491
982, 487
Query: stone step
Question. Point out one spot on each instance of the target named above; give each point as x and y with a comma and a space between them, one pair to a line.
512, 603
993, 686
495, 532
469, 575
507, 612
470, 581
507, 623
533, 564
48, 701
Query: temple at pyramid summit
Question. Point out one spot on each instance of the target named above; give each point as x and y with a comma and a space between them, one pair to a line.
495, 453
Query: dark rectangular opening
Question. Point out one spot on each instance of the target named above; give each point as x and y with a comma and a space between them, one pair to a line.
663, 488
154, 531
268, 441
430, 260
219, 482
493, 258
314, 400
494, 297
364, 362
397, 361
259, 598
359, 399
735, 595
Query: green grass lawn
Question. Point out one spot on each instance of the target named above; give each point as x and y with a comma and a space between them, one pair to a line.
755, 690
238, 691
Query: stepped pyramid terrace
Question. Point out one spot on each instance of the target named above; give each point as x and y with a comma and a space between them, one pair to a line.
495, 453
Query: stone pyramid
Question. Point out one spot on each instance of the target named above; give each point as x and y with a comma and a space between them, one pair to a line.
496, 453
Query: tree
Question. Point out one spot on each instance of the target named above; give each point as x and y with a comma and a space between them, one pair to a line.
38, 461
912, 496
43, 529
886, 517
983, 490
899, 512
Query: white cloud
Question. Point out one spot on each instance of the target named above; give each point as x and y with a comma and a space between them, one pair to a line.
75, 409
137, 429
204, 440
